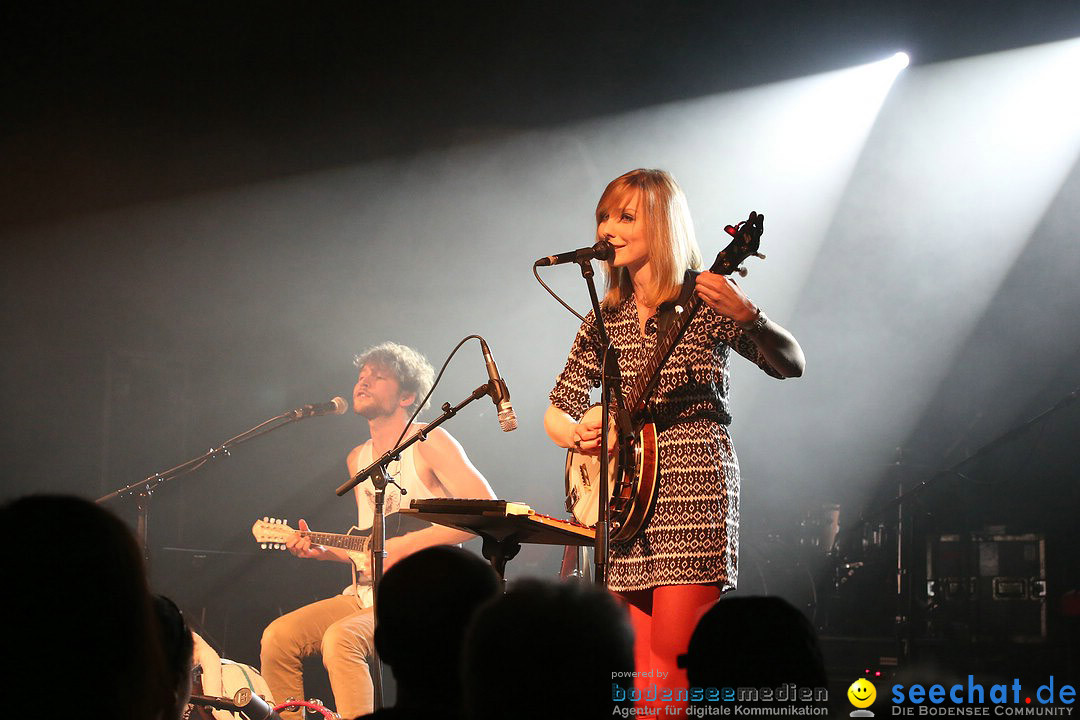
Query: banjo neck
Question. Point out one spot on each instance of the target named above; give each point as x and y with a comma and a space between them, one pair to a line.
646, 380
746, 238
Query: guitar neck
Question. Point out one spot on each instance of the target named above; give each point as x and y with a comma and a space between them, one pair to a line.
357, 543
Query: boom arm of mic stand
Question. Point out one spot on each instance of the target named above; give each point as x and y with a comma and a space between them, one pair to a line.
144, 488
148, 485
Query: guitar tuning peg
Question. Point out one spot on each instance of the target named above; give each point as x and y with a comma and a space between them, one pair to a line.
262, 545
742, 271
759, 255
266, 519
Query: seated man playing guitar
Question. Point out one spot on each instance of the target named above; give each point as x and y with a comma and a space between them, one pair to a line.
676, 556
392, 381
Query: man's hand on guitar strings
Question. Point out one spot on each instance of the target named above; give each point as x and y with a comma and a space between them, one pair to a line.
301, 546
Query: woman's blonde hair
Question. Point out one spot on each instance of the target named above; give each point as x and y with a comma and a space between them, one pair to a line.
668, 229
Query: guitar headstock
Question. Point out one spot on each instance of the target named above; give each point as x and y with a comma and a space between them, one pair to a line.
271, 533
746, 238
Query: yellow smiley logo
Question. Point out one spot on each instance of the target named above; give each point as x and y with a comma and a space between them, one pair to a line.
862, 694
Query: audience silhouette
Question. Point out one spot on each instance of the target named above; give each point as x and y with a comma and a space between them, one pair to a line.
78, 615
425, 602
178, 648
547, 649
754, 642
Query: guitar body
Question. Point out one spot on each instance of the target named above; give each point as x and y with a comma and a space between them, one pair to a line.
632, 477
633, 471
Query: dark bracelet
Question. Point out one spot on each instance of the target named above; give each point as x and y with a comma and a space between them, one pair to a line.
756, 325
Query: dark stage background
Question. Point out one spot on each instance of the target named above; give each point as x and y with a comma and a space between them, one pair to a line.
206, 209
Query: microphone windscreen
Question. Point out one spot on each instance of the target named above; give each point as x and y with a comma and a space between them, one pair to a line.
507, 420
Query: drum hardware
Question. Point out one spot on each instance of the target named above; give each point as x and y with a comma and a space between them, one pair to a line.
769, 567
844, 572
819, 528
825, 569
909, 594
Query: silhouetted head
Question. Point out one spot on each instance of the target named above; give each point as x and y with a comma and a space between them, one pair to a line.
546, 649
754, 642
178, 647
77, 611
424, 604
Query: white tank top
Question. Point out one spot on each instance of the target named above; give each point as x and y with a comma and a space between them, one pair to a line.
403, 473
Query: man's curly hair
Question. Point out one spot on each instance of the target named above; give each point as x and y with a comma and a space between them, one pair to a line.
412, 370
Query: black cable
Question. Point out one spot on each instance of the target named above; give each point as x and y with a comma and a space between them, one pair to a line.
552, 293
420, 405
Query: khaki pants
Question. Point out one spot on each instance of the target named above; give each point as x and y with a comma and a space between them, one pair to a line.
342, 633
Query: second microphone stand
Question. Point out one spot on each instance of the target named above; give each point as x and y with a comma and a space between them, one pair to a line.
143, 489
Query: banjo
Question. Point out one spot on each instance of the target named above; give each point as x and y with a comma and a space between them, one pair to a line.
633, 471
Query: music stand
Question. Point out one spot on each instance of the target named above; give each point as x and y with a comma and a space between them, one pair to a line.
503, 526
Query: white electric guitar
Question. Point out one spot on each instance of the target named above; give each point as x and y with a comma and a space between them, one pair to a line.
271, 534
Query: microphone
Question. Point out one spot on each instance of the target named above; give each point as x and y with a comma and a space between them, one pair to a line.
244, 701
337, 406
602, 250
499, 394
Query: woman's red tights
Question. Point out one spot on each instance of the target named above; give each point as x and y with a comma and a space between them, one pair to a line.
663, 619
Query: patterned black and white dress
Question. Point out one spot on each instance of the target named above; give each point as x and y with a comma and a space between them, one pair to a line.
692, 536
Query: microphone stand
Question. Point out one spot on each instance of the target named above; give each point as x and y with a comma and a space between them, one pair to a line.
143, 489
610, 385
380, 478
